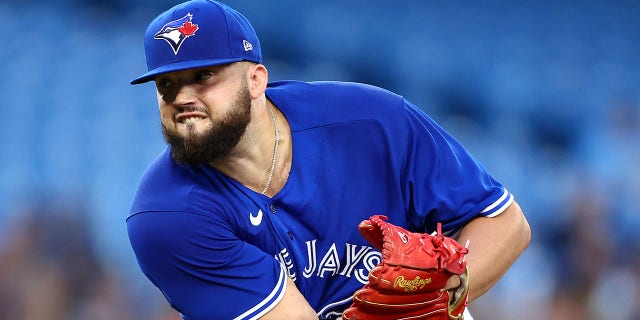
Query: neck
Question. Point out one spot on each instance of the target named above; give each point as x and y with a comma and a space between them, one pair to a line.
275, 151
255, 162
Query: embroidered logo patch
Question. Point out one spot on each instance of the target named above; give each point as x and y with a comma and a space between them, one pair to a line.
177, 31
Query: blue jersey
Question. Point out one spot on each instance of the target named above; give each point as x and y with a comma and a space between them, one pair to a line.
218, 250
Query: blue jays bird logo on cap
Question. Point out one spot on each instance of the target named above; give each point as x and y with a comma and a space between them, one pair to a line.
177, 31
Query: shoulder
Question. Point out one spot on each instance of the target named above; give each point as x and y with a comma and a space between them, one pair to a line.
167, 186
325, 102
331, 91
327, 87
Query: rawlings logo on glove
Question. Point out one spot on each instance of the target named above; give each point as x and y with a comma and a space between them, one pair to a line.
411, 285
408, 282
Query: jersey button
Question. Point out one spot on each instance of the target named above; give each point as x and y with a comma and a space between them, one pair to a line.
273, 208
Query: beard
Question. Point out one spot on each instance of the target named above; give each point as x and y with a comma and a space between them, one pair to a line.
218, 140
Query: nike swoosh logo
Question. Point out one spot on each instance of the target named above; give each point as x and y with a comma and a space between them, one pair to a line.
257, 219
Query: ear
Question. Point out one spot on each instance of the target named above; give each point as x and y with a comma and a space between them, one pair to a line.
257, 79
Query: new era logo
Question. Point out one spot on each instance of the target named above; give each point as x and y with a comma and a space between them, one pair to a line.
247, 45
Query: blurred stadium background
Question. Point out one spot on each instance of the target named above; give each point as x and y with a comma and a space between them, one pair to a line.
545, 93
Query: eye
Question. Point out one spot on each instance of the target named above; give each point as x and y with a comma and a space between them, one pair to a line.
203, 75
163, 84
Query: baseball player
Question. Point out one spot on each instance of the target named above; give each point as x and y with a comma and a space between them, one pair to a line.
305, 200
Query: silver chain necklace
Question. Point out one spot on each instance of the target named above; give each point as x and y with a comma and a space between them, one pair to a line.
275, 153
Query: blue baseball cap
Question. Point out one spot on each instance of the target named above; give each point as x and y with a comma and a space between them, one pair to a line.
195, 34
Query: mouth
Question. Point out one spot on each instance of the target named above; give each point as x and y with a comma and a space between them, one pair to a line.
189, 117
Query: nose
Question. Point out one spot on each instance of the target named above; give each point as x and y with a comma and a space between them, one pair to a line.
185, 95
182, 94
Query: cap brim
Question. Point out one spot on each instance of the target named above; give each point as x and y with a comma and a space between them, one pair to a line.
183, 65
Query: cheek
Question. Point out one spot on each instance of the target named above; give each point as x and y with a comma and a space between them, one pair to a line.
166, 113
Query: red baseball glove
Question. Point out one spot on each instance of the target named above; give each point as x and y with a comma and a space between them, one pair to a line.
408, 282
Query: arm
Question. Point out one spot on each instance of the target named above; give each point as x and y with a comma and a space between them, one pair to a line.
205, 272
292, 306
495, 244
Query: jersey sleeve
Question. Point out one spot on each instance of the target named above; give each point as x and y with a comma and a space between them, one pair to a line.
444, 182
203, 269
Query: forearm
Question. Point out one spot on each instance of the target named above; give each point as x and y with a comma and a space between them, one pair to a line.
292, 306
495, 244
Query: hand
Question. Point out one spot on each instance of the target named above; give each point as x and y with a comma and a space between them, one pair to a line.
453, 283
420, 276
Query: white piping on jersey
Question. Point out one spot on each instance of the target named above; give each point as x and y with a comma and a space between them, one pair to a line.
333, 304
280, 287
505, 194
